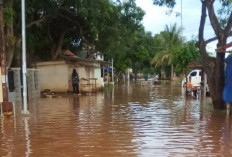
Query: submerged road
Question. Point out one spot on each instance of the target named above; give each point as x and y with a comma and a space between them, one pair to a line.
128, 121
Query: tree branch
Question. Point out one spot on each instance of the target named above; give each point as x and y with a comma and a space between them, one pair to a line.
59, 45
36, 22
202, 23
70, 19
211, 40
213, 18
74, 22
215, 38
229, 25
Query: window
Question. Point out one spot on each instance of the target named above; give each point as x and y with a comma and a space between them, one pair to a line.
193, 73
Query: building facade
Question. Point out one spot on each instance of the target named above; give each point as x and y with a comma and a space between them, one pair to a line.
56, 75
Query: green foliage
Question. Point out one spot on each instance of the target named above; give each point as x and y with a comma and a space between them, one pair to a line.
8, 14
142, 51
168, 3
189, 52
168, 43
112, 28
224, 12
171, 50
105, 26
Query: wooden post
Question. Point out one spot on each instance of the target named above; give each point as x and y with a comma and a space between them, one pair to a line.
2, 56
7, 107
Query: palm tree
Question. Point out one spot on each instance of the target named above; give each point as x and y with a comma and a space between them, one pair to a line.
169, 43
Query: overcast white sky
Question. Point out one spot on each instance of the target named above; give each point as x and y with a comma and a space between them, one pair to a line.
156, 18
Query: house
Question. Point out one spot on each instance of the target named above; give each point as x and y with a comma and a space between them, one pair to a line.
56, 75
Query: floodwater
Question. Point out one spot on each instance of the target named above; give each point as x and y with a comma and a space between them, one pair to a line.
128, 121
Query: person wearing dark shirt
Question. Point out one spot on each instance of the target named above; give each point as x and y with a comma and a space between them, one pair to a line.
75, 82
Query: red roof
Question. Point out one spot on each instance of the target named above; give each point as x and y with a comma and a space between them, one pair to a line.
70, 54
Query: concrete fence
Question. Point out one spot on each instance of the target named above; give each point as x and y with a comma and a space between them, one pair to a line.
15, 84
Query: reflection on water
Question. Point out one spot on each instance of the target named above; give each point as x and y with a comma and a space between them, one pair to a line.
130, 120
27, 137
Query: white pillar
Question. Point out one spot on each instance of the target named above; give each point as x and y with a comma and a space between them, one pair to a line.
24, 64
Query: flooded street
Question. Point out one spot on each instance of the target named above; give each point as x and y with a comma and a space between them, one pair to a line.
129, 121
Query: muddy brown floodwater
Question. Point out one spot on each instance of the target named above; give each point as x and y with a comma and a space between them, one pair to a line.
128, 121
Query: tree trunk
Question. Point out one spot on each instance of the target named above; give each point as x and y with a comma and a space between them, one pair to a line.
171, 71
219, 76
215, 79
57, 48
214, 68
56, 51
9, 34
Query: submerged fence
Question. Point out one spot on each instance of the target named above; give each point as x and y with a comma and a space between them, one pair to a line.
15, 84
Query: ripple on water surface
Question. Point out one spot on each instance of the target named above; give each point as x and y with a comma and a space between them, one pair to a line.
128, 121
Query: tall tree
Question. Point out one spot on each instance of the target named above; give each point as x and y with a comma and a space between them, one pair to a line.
214, 67
170, 42
95, 26
188, 52
11, 41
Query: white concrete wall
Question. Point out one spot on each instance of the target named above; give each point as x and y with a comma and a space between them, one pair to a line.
97, 74
54, 76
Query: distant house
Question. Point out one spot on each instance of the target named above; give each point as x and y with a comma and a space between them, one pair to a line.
56, 75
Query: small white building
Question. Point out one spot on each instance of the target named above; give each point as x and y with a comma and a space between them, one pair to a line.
56, 75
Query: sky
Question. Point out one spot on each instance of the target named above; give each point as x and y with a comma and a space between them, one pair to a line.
156, 18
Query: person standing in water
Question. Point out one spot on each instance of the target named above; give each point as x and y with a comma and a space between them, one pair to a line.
75, 82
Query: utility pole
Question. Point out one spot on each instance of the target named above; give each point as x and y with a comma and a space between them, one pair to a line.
24, 66
6, 106
181, 16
